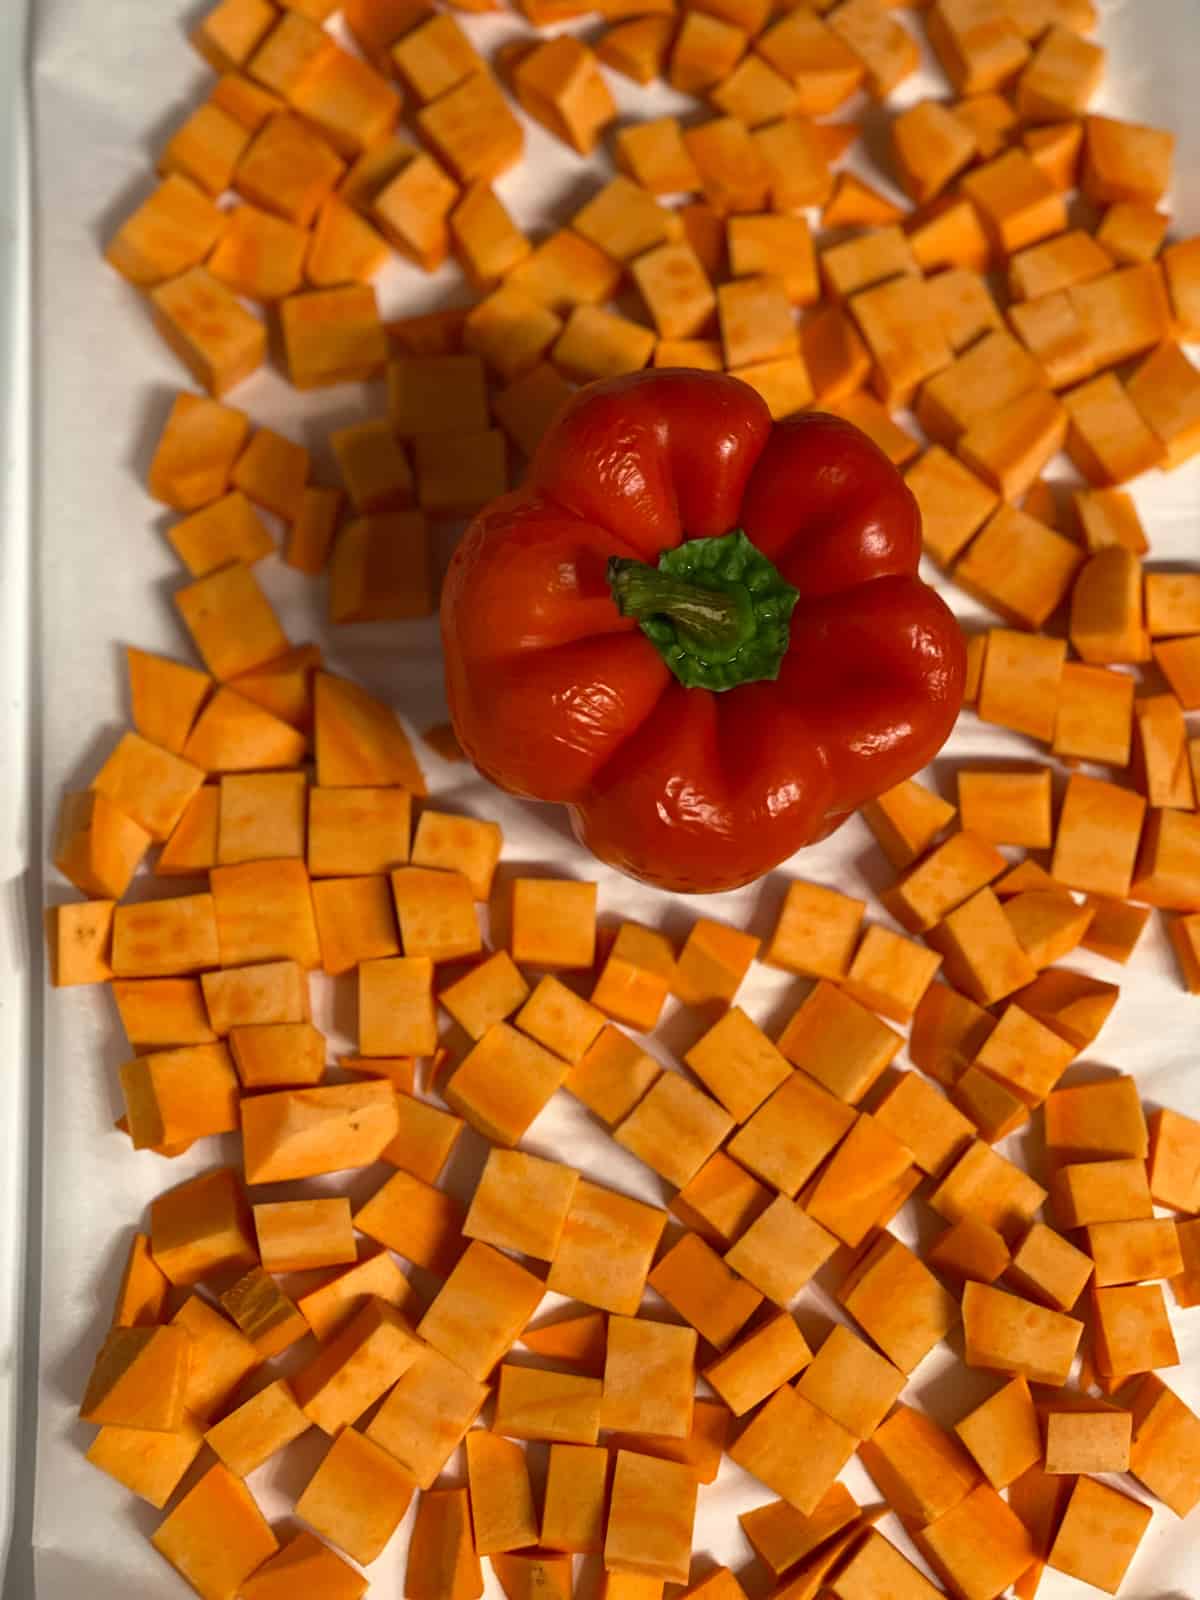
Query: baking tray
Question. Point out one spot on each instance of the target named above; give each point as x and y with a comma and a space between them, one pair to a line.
84, 568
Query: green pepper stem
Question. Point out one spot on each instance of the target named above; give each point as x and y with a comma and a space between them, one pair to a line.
716, 622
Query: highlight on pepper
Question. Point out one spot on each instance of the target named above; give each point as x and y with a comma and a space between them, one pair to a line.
701, 631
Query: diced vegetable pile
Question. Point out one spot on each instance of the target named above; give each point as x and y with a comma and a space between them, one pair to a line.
786, 1158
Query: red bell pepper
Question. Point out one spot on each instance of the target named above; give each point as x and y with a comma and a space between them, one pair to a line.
701, 631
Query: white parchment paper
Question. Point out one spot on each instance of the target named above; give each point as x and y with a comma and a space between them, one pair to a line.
111, 80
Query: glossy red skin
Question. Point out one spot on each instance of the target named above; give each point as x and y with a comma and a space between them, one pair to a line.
555, 696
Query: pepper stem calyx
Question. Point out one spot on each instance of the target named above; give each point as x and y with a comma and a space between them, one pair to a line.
716, 610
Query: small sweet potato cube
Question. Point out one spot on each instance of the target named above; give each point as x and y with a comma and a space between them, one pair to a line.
674, 1128
1056, 264
264, 913
350, 103
1174, 1165
1062, 77
265, 992
1025, 1055
176, 228
329, 1307
1048, 923
1162, 747
534, 1403
395, 1001
526, 408
759, 1364
921, 1470
1133, 1251
1165, 1438
228, 530
205, 149
721, 1201
343, 248
295, 46
898, 1302
211, 332
980, 951
837, 361
357, 1496
202, 1227
424, 1418
1107, 437
980, 1545
221, 1357
488, 993
1131, 232
676, 289
1003, 1434
622, 219
303, 1133
553, 922
1007, 807
333, 336
380, 571
866, 413
233, 734
524, 1574
262, 817
97, 846
1048, 1268
868, 259
139, 1379
954, 504
649, 1377
175, 1096
229, 34
1009, 447
989, 1187
1018, 204
694, 1280
783, 384
259, 256
503, 1083
978, 47
1097, 840
1172, 603
560, 1019
1054, 149
1125, 161
560, 85
487, 241
480, 1309
373, 466
284, 686
435, 57
992, 1106
146, 1461
924, 1122
165, 938
1008, 1334
838, 1042
794, 1448
262, 1425
890, 973
904, 336
636, 977
781, 1250
1099, 1534
851, 1383
1089, 1192
1132, 1330
143, 1289
264, 1314
1019, 567
739, 169
192, 848
598, 344
607, 1245
789, 1136
411, 210
216, 1536
816, 931
1181, 269
1166, 392
502, 1509
305, 1565
653, 152
650, 1517
856, 1189
738, 1063
355, 1367
930, 145
822, 67
612, 1077
575, 1499
756, 320
294, 1235
889, 53
195, 453
231, 621
436, 912
521, 1203
754, 92
875, 1567
950, 234
1095, 715
970, 1249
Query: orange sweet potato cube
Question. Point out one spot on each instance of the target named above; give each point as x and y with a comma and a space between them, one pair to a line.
216, 1536
1162, 1456
823, 68
1007, 807
165, 938
1107, 438
560, 1019
780, 1251
922, 1471
436, 912
1048, 1268
694, 1280
481, 1308
1003, 1433
1094, 719
553, 922
954, 504
739, 169
794, 1448
791, 1134
978, 47
738, 1063
705, 51
904, 336
355, 1367
1009, 448
228, 34
1181, 268
357, 1496
267, 1317
195, 453
612, 1076
143, 1289
562, 1407
1062, 77
650, 1518
373, 466
333, 336
266, 992
816, 931
350, 103
303, 1133
486, 994
1097, 840
138, 1379
150, 1463
874, 1566
305, 1565
228, 530
234, 734
607, 1244
343, 247
992, 1106
211, 332
1099, 1534
201, 1227
1165, 389
206, 149
231, 621
258, 1428
980, 1545
636, 977
1125, 161
264, 913
261, 817
1007, 1334
176, 228
521, 1203
990, 1188
838, 1042
259, 256
1019, 567
754, 92
411, 210
674, 1128
295, 46
600, 344
559, 84
175, 1096
970, 1249
639, 50
503, 1083
930, 145
890, 973
97, 846
898, 1302
357, 924
924, 1122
